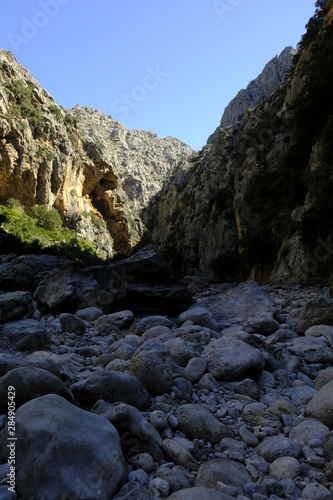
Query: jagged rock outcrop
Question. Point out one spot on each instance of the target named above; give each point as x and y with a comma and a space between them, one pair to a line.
140, 159
257, 199
273, 76
79, 161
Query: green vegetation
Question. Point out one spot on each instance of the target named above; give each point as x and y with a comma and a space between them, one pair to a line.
24, 106
43, 232
95, 220
56, 111
69, 120
45, 153
47, 218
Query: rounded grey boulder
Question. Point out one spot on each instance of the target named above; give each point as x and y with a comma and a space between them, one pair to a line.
232, 359
152, 364
64, 452
31, 382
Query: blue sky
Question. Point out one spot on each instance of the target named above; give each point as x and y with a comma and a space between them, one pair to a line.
170, 66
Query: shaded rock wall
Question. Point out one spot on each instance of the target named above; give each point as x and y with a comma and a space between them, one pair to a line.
257, 199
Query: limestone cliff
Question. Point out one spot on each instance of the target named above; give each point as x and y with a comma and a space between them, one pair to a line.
258, 198
140, 159
273, 76
79, 161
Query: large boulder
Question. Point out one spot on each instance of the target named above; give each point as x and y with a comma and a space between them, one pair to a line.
310, 349
112, 386
321, 405
274, 447
30, 383
26, 271
232, 359
315, 312
245, 304
64, 452
73, 288
307, 430
15, 305
150, 286
24, 335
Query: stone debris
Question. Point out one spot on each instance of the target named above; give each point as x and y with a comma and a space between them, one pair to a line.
207, 404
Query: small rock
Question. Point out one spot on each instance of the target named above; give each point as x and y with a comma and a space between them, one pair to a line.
24, 335
200, 316
31, 382
179, 454
158, 419
323, 378
198, 423
302, 395
195, 369
274, 447
208, 382
143, 461
121, 319
225, 471
285, 467
174, 478
315, 312
316, 491
112, 386
134, 430
133, 491
89, 314
72, 324
248, 437
15, 305
321, 405
199, 493
139, 475
153, 366
148, 322
159, 488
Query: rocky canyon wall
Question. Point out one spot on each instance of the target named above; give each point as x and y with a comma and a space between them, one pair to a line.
81, 162
257, 200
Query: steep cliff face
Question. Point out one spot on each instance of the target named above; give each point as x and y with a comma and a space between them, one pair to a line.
79, 161
140, 159
258, 198
273, 76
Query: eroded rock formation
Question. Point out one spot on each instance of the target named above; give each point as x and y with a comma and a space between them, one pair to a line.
79, 161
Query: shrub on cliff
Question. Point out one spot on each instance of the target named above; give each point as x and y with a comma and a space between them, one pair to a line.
47, 218
43, 233
24, 105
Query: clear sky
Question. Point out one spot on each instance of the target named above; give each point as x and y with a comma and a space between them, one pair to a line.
170, 66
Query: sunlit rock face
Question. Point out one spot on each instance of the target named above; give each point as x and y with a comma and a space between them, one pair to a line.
79, 161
